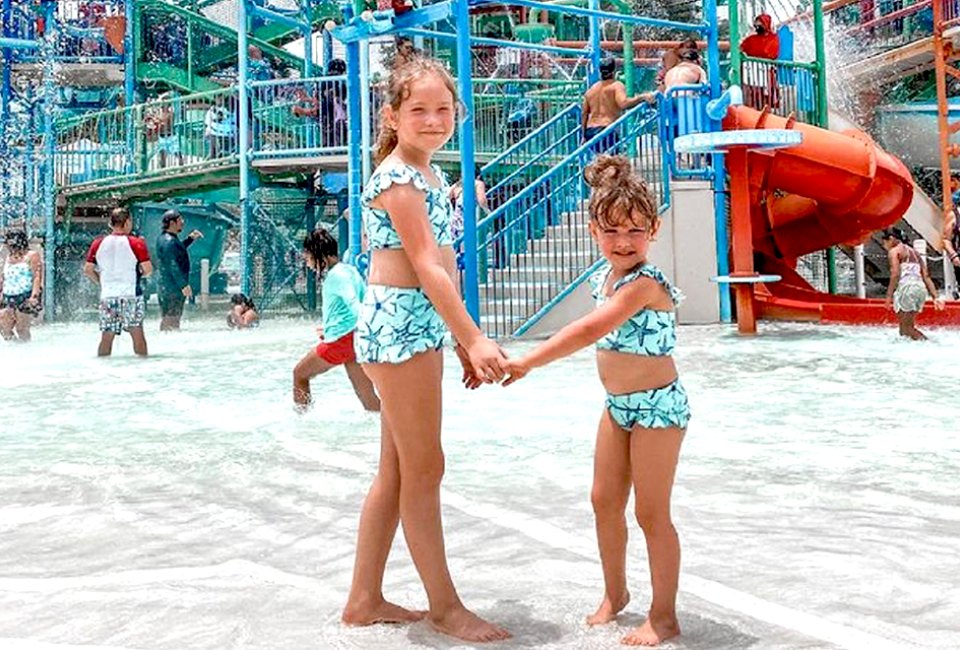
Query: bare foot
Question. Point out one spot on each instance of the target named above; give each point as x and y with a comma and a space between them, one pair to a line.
653, 632
380, 612
608, 610
464, 624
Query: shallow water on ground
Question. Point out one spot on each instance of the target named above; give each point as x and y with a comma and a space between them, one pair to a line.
179, 502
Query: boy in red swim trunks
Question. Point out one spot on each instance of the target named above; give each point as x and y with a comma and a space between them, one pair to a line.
341, 294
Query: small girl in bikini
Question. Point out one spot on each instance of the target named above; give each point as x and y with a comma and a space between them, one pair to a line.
646, 411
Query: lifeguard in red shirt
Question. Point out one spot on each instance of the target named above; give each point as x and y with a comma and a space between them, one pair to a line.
759, 79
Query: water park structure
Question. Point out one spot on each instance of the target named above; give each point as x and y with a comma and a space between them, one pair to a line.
256, 117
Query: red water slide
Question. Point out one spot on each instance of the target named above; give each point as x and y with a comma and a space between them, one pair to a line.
835, 188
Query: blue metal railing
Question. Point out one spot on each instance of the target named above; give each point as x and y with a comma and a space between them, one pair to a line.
785, 87
525, 161
537, 242
508, 110
299, 117
684, 110
160, 137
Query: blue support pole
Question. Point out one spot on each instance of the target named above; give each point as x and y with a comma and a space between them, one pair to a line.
129, 55
471, 288
7, 91
49, 204
308, 40
354, 159
243, 145
366, 165
594, 74
130, 82
327, 47
29, 164
719, 172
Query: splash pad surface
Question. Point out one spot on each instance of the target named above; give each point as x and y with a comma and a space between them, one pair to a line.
178, 502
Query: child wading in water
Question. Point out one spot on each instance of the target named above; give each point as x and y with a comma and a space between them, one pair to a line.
243, 312
909, 283
342, 291
411, 299
646, 412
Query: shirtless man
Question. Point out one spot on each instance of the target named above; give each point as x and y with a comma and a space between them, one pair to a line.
688, 71
605, 102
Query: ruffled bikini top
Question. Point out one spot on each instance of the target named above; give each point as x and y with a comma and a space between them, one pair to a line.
649, 332
376, 222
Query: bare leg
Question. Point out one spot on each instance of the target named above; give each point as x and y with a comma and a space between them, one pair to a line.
106, 344
362, 386
139, 341
309, 367
653, 459
611, 490
910, 319
7, 320
904, 328
378, 526
410, 393
23, 326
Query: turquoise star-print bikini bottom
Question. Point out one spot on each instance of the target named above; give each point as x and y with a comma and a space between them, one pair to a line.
395, 324
658, 408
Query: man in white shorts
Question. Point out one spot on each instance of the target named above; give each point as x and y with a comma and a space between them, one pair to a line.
117, 262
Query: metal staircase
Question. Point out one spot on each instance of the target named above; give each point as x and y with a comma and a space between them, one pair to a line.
535, 245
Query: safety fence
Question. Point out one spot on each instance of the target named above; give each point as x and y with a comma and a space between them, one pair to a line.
299, 117
532, 156
784, 87
507, 110
170, 133
288, 118
683, 110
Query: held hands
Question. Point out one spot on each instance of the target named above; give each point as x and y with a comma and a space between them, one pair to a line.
468, 379
939, 304
195, 234
487, 360
187, 291
517, 369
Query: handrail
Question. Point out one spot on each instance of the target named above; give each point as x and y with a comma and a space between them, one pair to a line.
683, 111
578, 153
573, 108
547, 219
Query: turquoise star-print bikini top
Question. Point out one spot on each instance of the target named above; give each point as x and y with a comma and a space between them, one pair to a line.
376, 222
649, 332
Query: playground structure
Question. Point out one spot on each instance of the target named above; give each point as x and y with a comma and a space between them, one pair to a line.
146, 102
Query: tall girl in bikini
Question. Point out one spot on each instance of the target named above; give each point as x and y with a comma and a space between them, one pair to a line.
411, 301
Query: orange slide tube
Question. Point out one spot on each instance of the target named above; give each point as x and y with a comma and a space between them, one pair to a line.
834, 188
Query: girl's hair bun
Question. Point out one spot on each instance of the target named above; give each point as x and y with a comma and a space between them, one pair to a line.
607, 171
